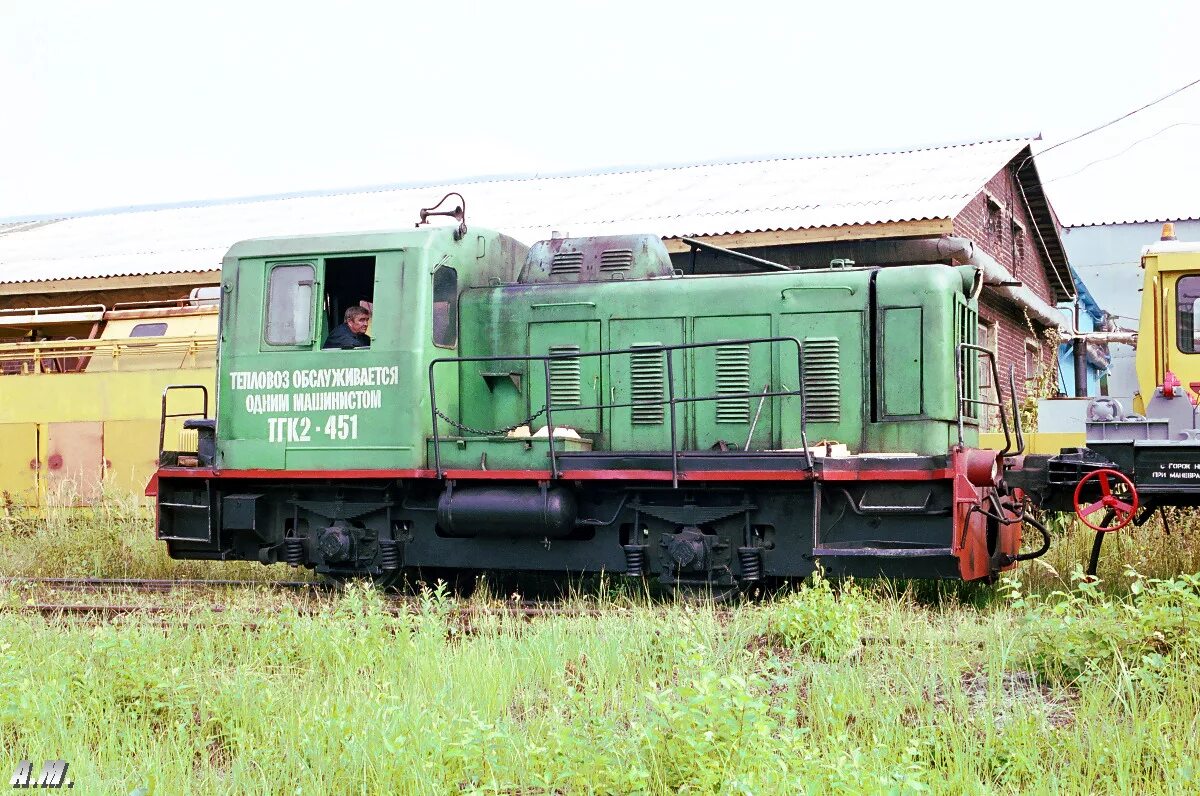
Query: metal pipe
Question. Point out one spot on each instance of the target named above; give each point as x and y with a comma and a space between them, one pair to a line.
754, 423
996, 277
671, 405
549, 420
747, 258
1079, 354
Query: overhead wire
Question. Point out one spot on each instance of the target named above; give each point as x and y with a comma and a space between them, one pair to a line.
1122, 117
1123, 151
1096, 129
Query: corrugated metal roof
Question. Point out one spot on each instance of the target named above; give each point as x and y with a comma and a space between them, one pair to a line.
1133, 220
710, 199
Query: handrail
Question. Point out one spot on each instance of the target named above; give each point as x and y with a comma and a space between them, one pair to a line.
184, 302
50, 312
162, 420
961, 400
78, 356
90, 344
671, 400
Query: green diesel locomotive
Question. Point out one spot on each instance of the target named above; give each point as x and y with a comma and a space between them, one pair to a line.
582, 406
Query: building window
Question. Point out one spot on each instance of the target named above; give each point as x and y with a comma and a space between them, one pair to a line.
1018, 234
987, 384
995, 219
1033, 361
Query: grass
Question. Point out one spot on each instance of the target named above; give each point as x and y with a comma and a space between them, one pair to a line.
898, 697
1048, 685
112, 539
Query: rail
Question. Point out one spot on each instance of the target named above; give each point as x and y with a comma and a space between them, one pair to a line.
74, 356
963, 401
64, 313
184, 302
671, 401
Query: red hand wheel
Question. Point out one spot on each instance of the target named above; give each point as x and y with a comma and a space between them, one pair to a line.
1117, 494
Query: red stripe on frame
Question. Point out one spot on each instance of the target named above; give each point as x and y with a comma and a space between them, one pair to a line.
565, 475
889, 475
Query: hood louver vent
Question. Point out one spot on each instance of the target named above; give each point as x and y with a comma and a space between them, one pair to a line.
647, 382
733, 376
599, 258
615, 260
565, 388
822, 380
565, 263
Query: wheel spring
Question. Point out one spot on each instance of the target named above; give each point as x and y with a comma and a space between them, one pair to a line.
293, 551
635, 560
751, 561
389, 555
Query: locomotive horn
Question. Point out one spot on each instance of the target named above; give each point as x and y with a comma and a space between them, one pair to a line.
459, 214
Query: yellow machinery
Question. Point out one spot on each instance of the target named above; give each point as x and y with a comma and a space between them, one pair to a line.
81, 392
1168, 352
1168, 341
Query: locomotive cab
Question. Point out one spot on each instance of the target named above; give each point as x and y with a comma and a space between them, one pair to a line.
1168, 349
285, 401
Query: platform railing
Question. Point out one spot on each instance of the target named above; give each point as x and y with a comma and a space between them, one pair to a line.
73, 356
671, 401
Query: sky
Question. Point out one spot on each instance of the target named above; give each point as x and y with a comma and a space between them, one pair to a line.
127, 103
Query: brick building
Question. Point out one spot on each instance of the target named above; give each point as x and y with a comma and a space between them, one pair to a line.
982, 201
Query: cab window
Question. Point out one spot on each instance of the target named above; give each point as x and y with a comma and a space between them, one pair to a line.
149, 330
349, 282
445, 307
1187, 294
290, 305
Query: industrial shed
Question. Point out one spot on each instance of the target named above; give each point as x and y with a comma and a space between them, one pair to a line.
1106, 252
981, 202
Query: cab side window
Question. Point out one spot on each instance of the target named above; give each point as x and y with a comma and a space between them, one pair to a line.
1187, 294
290, 305
349, 282
445, 307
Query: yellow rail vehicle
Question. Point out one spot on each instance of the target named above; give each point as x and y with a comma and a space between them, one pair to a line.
80, 392
1167, 358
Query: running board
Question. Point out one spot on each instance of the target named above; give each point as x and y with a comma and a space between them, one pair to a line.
881, 552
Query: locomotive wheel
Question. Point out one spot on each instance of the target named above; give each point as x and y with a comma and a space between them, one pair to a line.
1118, 495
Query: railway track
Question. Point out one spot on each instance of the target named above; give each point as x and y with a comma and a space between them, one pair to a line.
463, 618
396, 604
162, 585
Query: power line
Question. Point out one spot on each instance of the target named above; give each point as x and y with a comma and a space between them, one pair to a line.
1122, 118
1111, 123
1122, 152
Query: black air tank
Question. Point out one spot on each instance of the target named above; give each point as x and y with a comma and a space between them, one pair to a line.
506, 511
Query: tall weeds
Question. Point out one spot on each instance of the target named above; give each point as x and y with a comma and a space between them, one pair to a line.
113, 538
